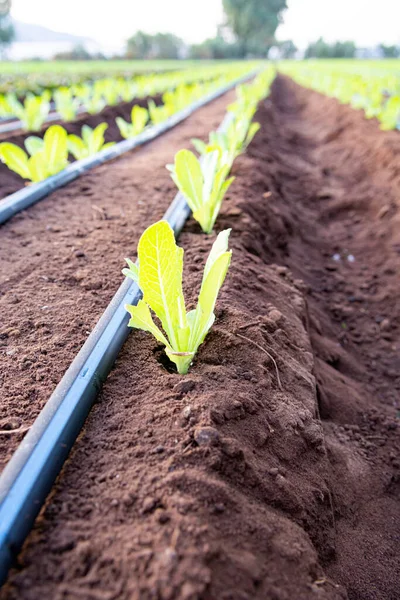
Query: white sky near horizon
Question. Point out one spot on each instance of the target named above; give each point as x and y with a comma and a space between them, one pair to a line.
367, 22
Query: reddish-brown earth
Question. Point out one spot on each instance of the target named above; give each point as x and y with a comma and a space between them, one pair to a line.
271, 471
10, 182
61, 260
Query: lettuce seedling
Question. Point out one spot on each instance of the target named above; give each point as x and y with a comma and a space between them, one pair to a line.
5, 106
48, 155
109, 89
95, 104
178, 98
158, 114
33, 112
92, 141
139, 118
230, 144
390, 114
66, 104
127, 90
159, 275
203, 184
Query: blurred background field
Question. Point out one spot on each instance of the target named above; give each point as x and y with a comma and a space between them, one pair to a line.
92, 66
347, 49
43, 31
137, 66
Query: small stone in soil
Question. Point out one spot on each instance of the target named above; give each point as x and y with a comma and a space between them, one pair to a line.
206, 436
149, 504
11, 424
128, 500
275, 315
162, 516
185, 386
14, 332
186, 412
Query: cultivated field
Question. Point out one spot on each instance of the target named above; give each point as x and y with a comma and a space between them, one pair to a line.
242, 442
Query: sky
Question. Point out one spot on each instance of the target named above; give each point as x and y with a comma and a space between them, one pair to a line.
111, 22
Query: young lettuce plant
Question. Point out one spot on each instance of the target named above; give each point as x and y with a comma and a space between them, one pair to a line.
159, 275
66, 104
33, 112
179, 98
139, 118
109, 89
203, 184
94, 104
48, 156
92, 141
5, 106
127, 90
158, 114
230, 144
390, 114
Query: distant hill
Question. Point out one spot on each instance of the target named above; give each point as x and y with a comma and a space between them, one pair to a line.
26, 32
36, 41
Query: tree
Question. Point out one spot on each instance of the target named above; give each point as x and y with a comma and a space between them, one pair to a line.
254, 22
287, 49
215, 48
6, 27
162, 45
139, 45
78, 52
390, 51
344, 50
320, 49
166, 45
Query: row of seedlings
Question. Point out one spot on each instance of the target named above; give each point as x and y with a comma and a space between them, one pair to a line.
45, 157
158, 270
29, 475
377, 94
92, 98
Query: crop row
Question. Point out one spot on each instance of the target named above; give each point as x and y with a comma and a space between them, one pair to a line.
50, 155
38, 82
92, 97
156, 289
203, 182
377, 93
24, 77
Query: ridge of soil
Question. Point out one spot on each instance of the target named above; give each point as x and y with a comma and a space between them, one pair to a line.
271, 470
10, 182
333, 218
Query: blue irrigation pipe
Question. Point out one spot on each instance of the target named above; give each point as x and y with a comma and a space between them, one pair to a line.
32, 470
24, 198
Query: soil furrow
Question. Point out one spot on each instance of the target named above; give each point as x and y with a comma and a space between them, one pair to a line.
334, 207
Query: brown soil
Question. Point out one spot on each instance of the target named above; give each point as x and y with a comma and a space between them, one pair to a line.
61, 260
10, 182
271, 470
